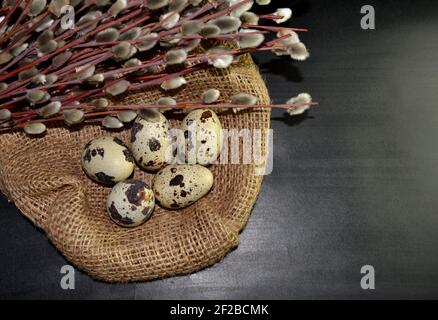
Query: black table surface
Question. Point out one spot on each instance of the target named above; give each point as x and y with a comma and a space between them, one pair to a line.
355, 181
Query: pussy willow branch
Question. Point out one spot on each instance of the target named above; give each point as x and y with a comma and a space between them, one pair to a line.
150, 69
114, 109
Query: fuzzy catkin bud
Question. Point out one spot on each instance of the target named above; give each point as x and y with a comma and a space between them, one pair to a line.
39, 79
227, 24
5, 115
48, 47
250, 18
5, 57
55, 6
44, 37
220, 58
85, 72
117, 7
148, 43
176, 57
73, 116
173, 83
51, 78
50, 110
131, 34
35, 128
98, 77
301, 104
290, 40
250, 40
126, 116
210, 30
110, 122
102, 3
192, 45
244, 99
285, 13
107, 35
47, 22
177, 4
134, 62
195, 3
122, 50
100, 103
19, 49
169, 20
241, 9
298, 51
35, 95
210, 96
156, 4
118, 88
36, 7
191, 27
61, 59
166, 101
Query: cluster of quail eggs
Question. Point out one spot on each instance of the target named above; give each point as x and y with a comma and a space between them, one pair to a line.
176, 184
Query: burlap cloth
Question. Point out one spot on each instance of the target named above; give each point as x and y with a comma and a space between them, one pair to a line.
43, 177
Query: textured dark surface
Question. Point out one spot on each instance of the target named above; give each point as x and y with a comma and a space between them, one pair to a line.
354, 183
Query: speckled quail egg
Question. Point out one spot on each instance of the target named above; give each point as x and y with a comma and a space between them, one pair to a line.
149, 140
178, 186
203, 136
107, 160
130, 203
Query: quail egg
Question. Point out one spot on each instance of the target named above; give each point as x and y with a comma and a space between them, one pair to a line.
130, 203
178, 186
107, 160
149, 140
203, 136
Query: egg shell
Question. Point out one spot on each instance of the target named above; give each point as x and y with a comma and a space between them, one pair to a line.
107, 160
130, 203
150, 142
178, 186
203, 135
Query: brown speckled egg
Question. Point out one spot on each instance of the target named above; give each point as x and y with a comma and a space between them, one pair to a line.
130, 203
178, 186
107, 160
150, 141
203, 134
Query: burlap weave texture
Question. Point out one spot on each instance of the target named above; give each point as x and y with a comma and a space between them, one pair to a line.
43, 177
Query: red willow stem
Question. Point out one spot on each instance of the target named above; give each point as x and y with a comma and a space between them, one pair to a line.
134, 24
274, 29
197, 105
269, 16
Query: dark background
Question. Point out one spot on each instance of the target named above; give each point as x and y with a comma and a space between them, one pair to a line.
355, 181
